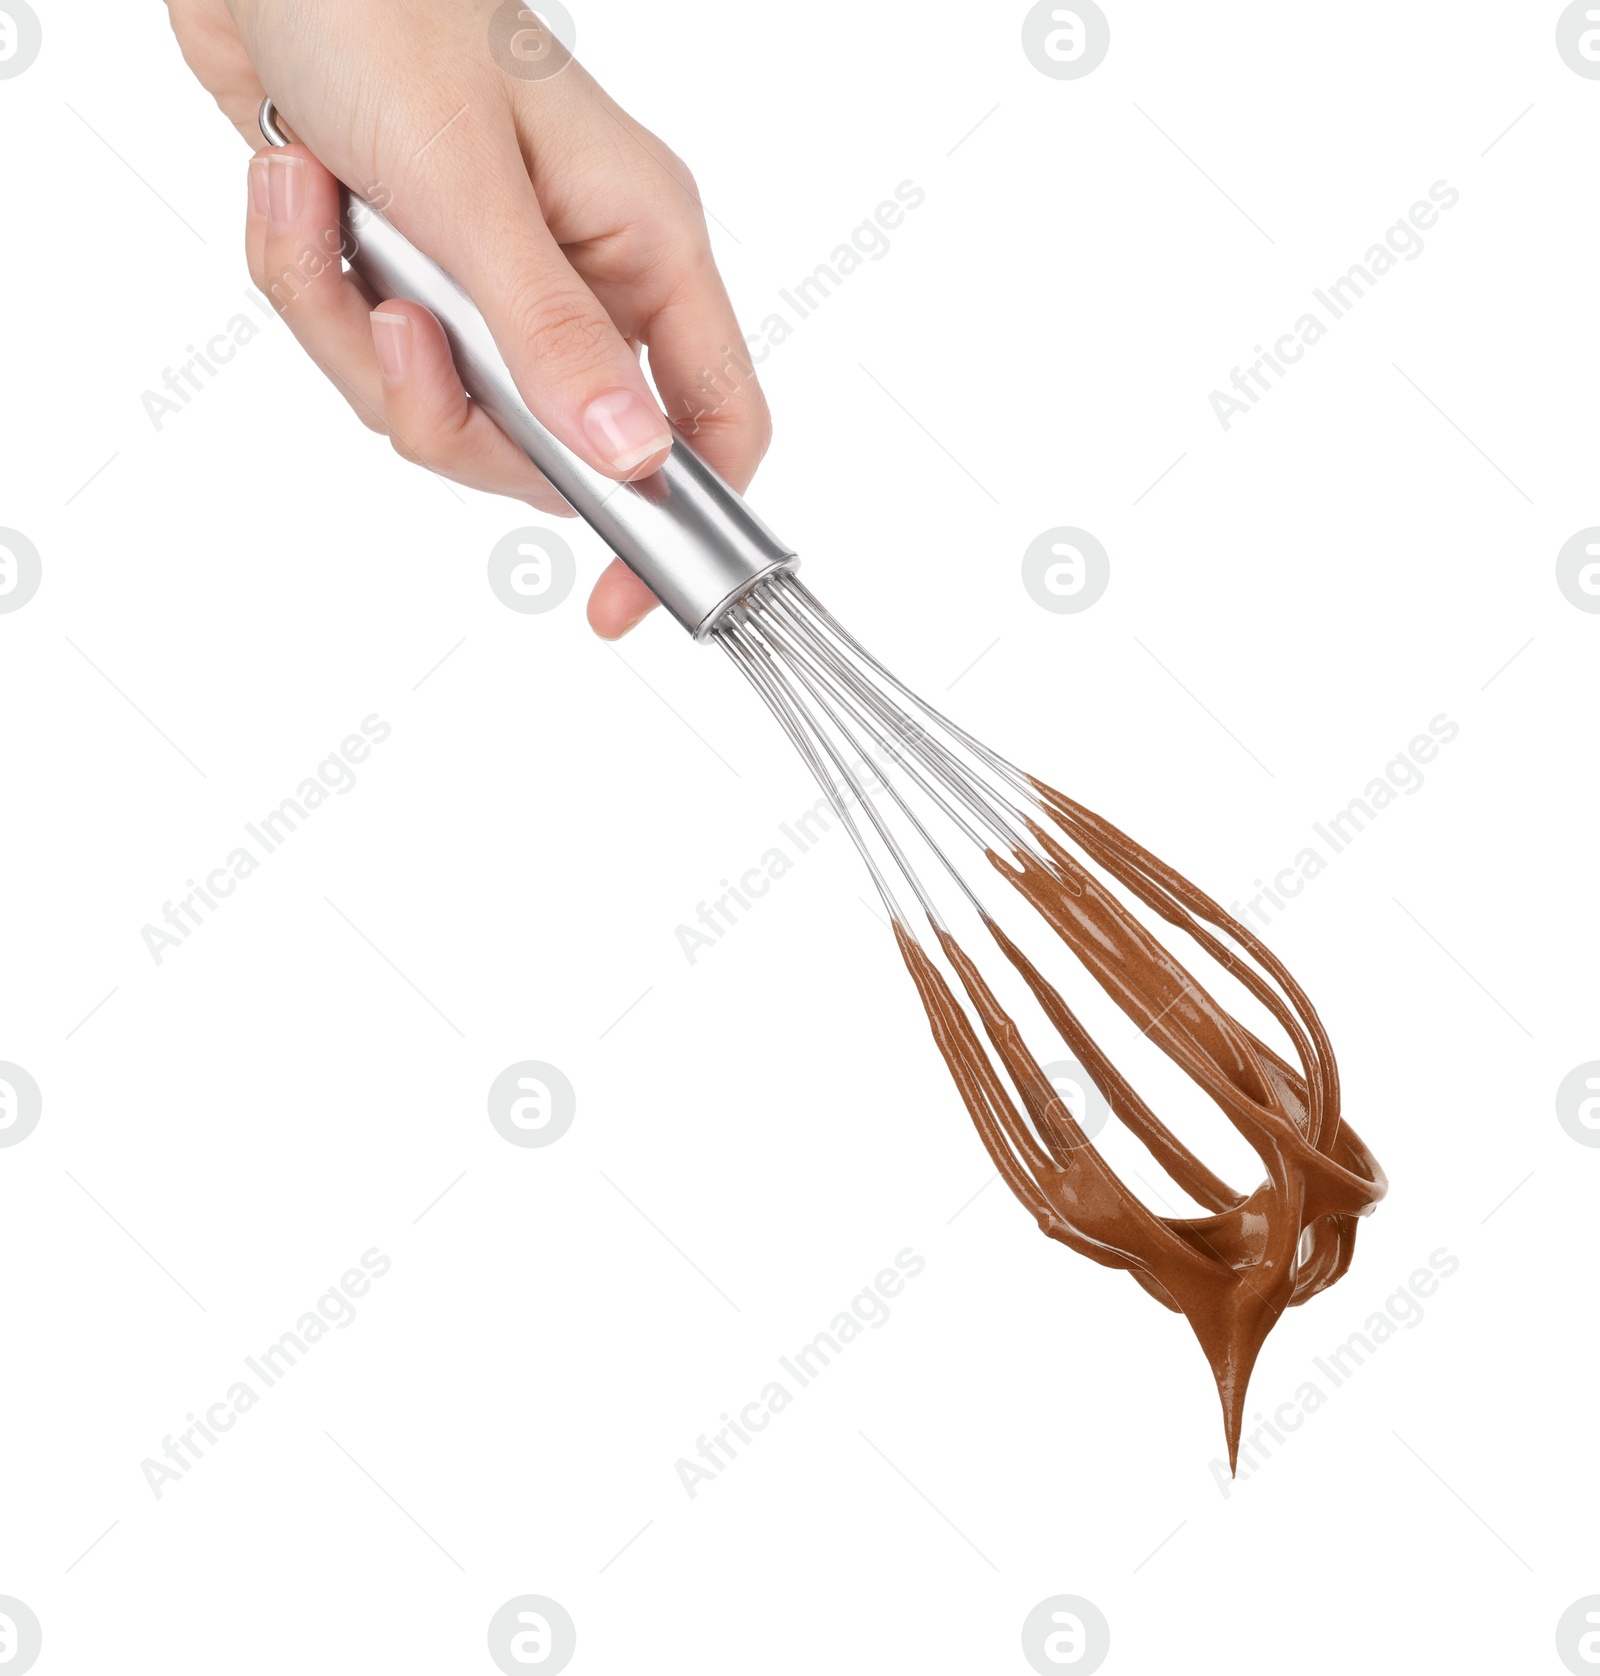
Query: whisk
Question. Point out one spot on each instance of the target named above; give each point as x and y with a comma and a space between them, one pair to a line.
1233, 1271
911, 788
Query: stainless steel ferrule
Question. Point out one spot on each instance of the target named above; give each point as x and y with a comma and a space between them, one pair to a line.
687, 536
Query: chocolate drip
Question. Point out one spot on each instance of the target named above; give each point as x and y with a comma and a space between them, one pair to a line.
1232, 1272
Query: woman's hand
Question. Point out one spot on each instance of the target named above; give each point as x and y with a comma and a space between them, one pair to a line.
578, 234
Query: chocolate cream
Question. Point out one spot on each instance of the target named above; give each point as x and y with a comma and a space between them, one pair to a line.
1232, 1272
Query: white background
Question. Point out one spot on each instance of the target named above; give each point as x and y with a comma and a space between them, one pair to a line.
228, 1132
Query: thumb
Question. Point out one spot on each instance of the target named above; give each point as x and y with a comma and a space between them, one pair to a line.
571, 364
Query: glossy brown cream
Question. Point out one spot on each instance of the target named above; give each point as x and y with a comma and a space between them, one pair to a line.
1232, 1272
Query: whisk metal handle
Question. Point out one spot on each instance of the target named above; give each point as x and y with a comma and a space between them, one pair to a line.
684, 532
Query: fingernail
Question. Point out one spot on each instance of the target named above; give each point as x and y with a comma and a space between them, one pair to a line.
391, 338
286, 185
625, 430
258, 186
